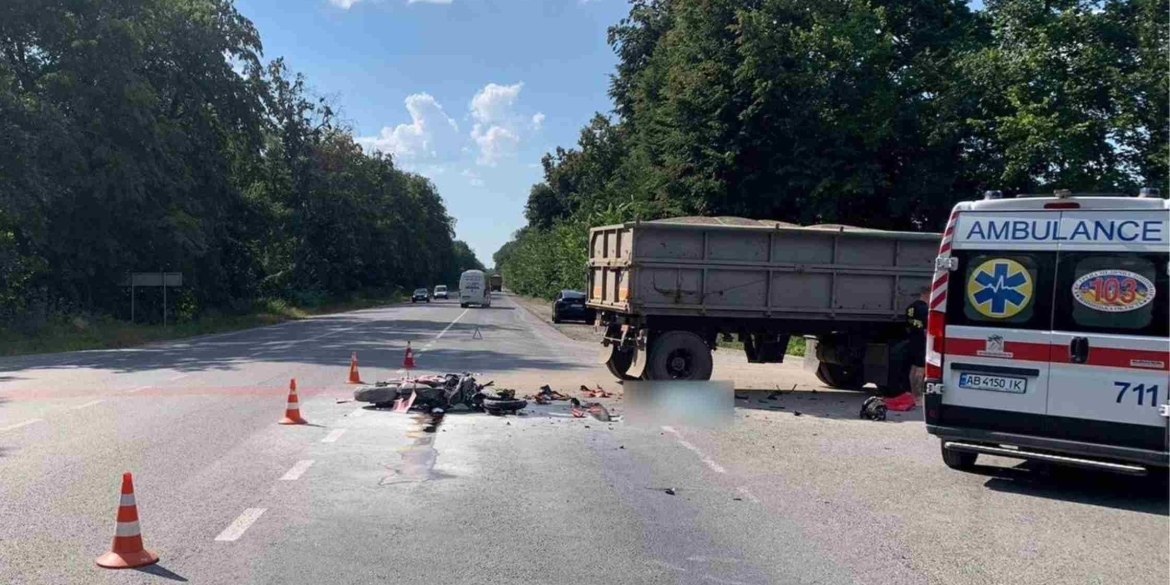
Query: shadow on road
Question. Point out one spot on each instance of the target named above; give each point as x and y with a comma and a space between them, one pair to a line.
1136, 494
834, 404
379, 344
161, 571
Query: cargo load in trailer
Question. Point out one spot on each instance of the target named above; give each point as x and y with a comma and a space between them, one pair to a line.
665, 291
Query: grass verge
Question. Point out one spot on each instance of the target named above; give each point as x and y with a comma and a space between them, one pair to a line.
78, 333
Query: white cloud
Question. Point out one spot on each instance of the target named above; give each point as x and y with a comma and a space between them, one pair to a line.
428, 1
344, 4
497, 128
472, 178
495, 143
538, 120
430, 135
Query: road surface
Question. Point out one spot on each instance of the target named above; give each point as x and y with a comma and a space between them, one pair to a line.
226, 495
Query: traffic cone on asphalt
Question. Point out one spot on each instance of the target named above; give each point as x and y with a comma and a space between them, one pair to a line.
127, 551
408, 360
292, 413
353, 370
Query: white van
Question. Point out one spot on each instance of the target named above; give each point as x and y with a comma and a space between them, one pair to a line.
473, 289
1047, 337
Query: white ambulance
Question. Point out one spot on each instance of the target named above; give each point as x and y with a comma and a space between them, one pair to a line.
1047, 337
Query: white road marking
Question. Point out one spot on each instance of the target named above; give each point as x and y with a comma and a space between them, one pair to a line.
437, 337
236, 529
179, 377
138, 389
357, 413
87, 404
333, 436
753, 499
727, 581
297, 470
706, 460
23, 424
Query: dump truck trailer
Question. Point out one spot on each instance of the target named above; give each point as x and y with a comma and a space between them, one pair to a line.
665, 291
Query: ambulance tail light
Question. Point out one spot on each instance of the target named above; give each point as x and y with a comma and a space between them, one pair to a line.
936, 325
1062, 205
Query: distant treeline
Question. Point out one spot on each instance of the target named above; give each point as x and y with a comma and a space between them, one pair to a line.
144, 135
881, 113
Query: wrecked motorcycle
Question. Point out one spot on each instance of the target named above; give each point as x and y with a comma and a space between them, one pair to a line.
439, 392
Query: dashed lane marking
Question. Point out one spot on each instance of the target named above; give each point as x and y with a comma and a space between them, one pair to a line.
297, 470
705, 459
333, 436
87, 404
22, 424
237, 528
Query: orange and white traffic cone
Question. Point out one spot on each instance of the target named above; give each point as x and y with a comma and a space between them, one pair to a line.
127, 551
353, 371
292, 412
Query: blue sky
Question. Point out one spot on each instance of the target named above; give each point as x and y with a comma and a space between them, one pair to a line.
470, 93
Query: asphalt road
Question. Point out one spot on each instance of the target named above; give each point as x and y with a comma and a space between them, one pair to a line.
226, 495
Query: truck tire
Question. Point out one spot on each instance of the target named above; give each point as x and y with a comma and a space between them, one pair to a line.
619, 363
679, 355
958, 460
843, 377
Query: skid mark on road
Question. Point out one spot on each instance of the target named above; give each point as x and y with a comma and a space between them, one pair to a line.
22, 424
237, 528
297, 470
705, 459
333, 436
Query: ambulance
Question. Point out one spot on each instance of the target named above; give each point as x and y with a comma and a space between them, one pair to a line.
1047, 336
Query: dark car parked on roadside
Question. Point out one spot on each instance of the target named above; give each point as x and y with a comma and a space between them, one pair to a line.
570, 304
420, 294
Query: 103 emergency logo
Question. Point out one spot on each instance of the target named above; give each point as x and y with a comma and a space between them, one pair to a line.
1113, 291
1000, 288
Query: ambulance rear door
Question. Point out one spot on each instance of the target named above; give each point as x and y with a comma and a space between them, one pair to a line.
1111, 345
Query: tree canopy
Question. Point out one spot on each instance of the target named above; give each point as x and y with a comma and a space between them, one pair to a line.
881, 113
145, 135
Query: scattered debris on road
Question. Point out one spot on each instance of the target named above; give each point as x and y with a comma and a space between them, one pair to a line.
583, 409
598, 392
901, 402
669, 491
874, 408
546, 395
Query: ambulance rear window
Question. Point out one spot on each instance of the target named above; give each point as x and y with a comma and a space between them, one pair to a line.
1108, 292
1006, 289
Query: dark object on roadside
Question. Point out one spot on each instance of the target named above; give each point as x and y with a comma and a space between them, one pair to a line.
420, 294
429, 392
669, 491
741, 396
874, 408
796, 413
570, 304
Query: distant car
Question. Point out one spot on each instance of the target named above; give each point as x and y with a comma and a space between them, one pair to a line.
420, 294
441, 291
570, 304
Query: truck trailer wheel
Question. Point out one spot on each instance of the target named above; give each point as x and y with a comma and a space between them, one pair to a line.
619, 363
679, 355
843, 377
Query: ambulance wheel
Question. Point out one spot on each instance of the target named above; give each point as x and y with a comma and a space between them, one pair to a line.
843, 377
960, 460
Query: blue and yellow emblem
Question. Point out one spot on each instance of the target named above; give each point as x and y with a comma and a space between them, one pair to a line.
999, 288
